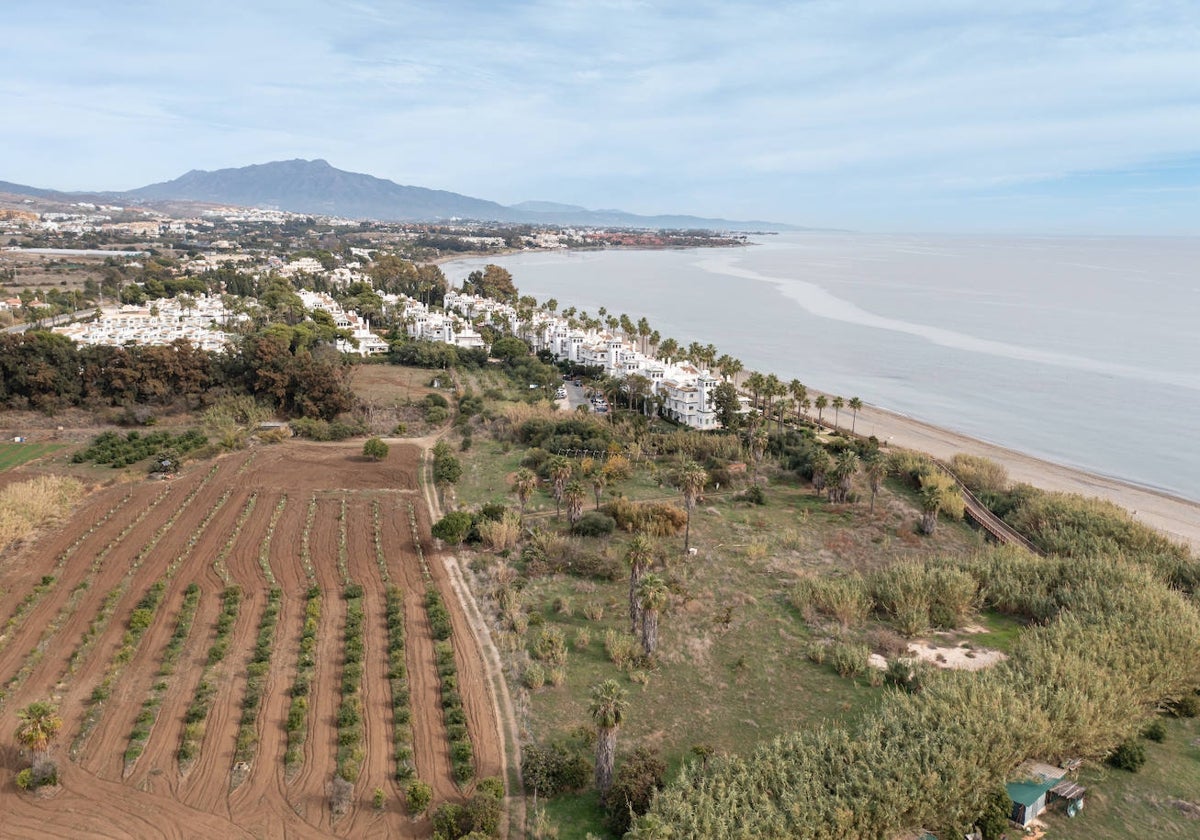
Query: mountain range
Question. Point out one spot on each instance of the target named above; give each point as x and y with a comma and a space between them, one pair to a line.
316, 187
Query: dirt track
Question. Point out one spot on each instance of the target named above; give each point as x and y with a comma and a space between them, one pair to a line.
155, 800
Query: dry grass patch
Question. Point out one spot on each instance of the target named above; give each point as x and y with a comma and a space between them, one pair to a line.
30, 505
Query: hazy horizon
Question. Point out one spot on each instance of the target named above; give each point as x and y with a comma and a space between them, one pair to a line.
921, 116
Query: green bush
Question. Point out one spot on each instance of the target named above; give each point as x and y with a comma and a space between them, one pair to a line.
375, 449
1155, 731
417, 796
1130, 755
594, 524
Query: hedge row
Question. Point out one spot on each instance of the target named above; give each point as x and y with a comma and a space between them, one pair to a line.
462, 754
256, 677
350, 751
306, 661
402, 734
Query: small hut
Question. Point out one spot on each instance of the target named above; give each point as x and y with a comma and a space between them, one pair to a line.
1036, 787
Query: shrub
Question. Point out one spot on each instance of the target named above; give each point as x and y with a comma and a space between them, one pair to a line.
534, 676
1187, 706
1155, 731
594, 524
844, 599
849, 659
635, 782
1130, 755
417, 796
454, 527
558, 767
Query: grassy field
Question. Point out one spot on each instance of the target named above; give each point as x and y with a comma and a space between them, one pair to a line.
731, 670
1161, 800
15, 454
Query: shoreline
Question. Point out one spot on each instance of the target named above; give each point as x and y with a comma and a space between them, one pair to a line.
1175, 517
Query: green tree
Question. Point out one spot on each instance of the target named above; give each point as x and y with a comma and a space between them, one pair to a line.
453, 527
509, 348
375, 449
607, 708
800, 394
938, 492
725, 398
838, 404
417, 796
559, 469
653, 595
842, 475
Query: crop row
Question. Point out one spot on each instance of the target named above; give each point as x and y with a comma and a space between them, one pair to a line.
264, 548
170, 656
343, 554
256, 677
48, 582
139, 622
402, 733
219, 566
197, 712
111, 448
380, 558
350, 711
462, 754
306, 661
306, 542
416, 538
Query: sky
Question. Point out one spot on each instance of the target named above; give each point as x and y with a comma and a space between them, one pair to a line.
897, 115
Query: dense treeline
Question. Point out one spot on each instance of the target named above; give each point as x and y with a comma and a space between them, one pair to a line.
1115, 646
288, 367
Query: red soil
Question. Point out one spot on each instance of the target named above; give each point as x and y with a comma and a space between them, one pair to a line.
96, 799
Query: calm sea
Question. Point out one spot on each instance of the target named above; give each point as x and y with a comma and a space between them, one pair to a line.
1080, 350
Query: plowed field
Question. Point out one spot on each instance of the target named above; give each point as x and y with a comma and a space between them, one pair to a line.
293, 516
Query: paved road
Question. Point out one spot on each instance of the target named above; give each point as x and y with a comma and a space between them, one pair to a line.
575, 397
51, 322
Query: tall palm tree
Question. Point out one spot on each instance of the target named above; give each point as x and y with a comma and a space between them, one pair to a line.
573, 495
652, 595
599, 479
755, 382
876, 469
800, 394
692, 478
729, 367
936, 492
608, 709
821, 403
560, 470
668, 349
637, 557
644, 332
844, 469
855, 404
37, 725
838, 404
524, 482
820, 464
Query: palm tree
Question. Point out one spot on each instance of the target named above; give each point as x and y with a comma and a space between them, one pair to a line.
820, 464
38, 724
799, 394
573, 495
692, 478
729, 367
598, 478
524, 482
844, 469
876, 468
855, 404
821, 404
652, 596
560, 470
755, 382
608, 711
937, 491
668, 348
638, 557
644, 332
838, 404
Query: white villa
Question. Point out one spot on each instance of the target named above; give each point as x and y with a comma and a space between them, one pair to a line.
444, 327
686, 392
369, 344
201, 321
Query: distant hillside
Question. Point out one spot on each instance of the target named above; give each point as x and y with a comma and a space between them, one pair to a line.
314, 186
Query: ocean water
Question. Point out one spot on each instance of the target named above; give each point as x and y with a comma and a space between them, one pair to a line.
1084, 351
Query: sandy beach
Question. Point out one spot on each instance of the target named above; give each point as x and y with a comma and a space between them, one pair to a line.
1177, 518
